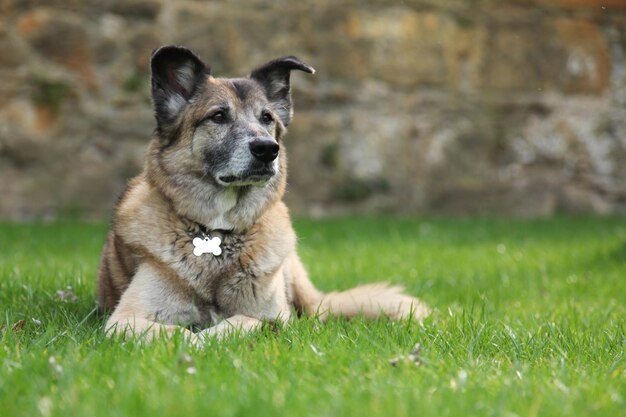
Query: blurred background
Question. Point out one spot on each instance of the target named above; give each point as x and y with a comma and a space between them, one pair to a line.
452, 107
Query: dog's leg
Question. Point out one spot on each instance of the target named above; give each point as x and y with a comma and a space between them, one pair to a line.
269, 303
306, 298
145, 329
234, 324
145, 300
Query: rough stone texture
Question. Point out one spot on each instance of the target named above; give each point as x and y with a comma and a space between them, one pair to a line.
444, 107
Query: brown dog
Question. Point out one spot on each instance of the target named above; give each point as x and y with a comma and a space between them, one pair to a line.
202, 239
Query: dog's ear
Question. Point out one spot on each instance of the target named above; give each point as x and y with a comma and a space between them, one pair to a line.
274, 78
177, 74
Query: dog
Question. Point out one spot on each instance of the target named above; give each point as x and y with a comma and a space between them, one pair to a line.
201, 241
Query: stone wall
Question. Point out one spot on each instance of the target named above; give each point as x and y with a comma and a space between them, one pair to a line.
419, 106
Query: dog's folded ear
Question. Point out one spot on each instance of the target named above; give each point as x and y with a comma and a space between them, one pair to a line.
177, 74
274, 78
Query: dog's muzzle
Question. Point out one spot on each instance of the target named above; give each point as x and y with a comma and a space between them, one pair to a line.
259, 167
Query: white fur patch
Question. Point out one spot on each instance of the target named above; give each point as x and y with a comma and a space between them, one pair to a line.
185, 76
175, 103
223, 203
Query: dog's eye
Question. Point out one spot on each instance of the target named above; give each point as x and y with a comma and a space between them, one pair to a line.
267, 118
218, 117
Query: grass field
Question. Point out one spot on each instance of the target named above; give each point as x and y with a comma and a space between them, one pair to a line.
528, 320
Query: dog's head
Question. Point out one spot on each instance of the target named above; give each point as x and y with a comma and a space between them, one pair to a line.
226, 131
217, 153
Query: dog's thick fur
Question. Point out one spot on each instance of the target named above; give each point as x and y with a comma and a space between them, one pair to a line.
201, 178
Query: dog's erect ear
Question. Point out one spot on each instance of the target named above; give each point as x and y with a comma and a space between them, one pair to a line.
274, 78
177, 74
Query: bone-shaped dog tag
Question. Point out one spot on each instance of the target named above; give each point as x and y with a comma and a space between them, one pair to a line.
207, 245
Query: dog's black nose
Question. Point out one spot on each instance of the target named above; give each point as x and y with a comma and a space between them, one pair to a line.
264, 149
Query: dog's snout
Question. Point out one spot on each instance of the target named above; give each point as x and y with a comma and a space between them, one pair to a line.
264, 149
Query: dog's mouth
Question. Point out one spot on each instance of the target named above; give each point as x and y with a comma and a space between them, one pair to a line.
258, 178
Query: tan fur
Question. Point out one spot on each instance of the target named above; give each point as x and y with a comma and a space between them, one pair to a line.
152, 282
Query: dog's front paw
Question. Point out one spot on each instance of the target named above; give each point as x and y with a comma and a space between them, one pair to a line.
234, 324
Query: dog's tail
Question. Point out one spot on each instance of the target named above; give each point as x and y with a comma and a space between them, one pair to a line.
369, 301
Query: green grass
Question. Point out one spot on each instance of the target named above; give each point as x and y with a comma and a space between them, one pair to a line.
528, 321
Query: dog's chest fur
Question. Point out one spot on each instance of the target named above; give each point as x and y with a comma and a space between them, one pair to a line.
241, 280
217, 280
